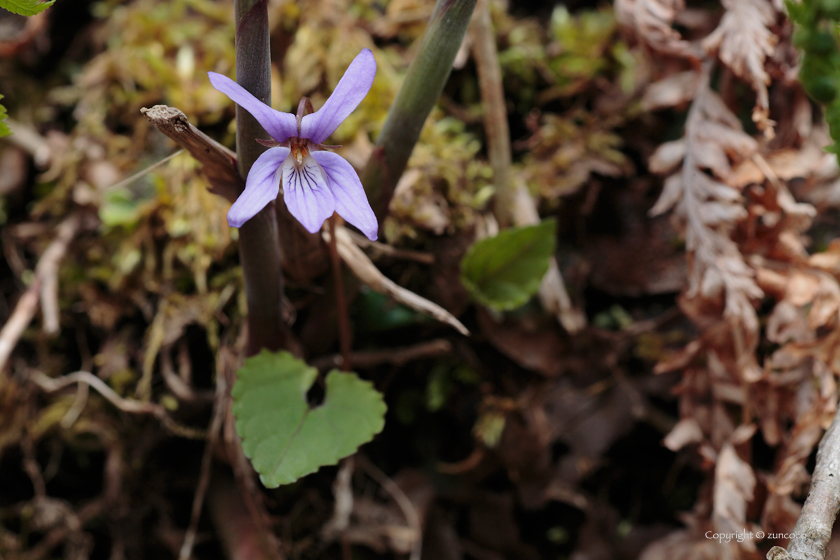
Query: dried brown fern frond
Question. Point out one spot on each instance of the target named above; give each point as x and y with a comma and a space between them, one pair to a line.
710, 207
743, 41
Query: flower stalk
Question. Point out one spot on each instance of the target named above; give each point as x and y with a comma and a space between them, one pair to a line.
420, 91
259, 249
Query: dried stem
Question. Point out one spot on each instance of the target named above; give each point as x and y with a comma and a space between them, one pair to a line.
495, 111
44, 287
20, 318
360, 265
207, 459
513, 203
395, 356
62, 532
50, 385
402, 501
217, 162
812, 531
47, 269
382, 249
340, 301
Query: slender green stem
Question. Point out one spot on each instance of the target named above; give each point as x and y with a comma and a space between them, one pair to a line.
259, 250
420, 91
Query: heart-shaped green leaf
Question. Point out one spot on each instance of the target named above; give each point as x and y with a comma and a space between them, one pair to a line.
285, 438
504, 271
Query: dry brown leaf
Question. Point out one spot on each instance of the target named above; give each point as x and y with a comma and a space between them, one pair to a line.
685, 432
533, 343
815, 297
652, 20
675, 90
666, 158
787, 164
734, 485
787, 324
743, 42
690, 545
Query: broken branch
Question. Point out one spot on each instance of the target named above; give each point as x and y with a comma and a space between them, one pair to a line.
218, 163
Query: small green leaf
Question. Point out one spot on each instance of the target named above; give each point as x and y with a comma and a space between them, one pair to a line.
285, 438
25, 7
119, 209
503, 272
376, 312
4, 128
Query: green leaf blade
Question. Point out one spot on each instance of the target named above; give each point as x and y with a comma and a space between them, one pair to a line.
285, 439
25, 7
505, 271
4, 128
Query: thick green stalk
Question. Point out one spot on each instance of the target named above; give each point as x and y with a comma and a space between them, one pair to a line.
420, 91
259, 250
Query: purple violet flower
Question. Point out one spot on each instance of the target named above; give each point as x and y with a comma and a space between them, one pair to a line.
315, 182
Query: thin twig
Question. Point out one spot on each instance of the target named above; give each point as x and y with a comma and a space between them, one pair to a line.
61, 533
343, 493
218, 163
143, 172
364, 269
207, 459
395, 356
178, 382
402, 501
82, 392
340, 301
44, 287
384, 249
812, 531
18, 321
47, 270
51, 385
30, 465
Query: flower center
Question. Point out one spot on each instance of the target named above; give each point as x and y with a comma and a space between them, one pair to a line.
298, 149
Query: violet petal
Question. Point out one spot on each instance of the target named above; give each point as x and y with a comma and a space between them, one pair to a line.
306, 193
351, 89
279, 125
261, 186
351, 202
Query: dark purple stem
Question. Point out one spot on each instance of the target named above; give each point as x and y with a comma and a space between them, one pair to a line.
259, 250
